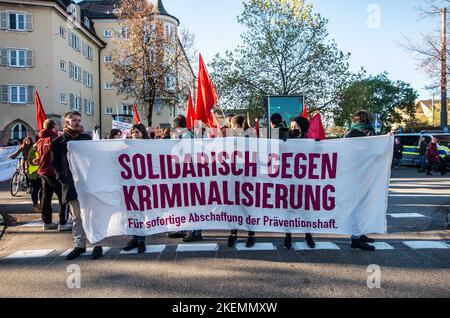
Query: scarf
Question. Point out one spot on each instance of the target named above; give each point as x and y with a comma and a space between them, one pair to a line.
72, 133
362, 127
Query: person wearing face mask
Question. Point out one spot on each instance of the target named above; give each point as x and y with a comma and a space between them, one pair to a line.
138, 132
298, 130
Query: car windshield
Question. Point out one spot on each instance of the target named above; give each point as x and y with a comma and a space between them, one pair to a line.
444, 140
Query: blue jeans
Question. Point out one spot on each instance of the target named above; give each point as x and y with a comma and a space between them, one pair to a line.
422, 162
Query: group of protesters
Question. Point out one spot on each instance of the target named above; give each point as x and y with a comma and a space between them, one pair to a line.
428, 156
49, 171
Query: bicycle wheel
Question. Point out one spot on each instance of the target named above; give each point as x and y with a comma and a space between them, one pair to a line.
15, 184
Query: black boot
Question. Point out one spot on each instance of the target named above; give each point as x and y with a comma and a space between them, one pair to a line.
131, 245
232, 239
359, 244
77, 252
141, 248
250, 241
310, 241
288, 242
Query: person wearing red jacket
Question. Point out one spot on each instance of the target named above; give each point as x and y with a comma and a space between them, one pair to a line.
434, 158
50, 184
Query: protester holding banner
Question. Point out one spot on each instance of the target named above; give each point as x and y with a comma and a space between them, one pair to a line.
50, 184
299, 130
60, 164
181, 131
361, 127
115, 134
138, 131
239, 126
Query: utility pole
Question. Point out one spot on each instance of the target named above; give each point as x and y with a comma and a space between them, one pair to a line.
444, 114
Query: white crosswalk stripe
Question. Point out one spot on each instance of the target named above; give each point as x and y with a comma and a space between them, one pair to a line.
257, 247
406, 215
240, 247
302, 246
198, 248
150, 249
89, 251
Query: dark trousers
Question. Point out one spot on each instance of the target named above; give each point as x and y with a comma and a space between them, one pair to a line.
50, 186
440, 164
235, 232
36, 194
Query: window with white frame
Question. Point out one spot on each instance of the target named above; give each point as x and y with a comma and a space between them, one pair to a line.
18, 94
62, 65
74, 41
19, 132
127, 109
89, 53
109, 85
124, 32
89, 108
63, 99
87, 23
75, 102
62, 32
88, 79
107, 33
17, 58
17, 21
74, 72
109, 110
108, 59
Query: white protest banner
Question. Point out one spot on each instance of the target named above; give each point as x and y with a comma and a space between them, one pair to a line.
123, 127
7, 166
147, 187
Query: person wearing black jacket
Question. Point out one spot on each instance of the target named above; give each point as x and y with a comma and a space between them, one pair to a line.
60, 163
361, 127
423, 154
299, 130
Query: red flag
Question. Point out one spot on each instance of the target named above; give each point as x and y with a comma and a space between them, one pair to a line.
305, 112
207, 96
190, 114
40, 113
137, 119
257, 128
316, 130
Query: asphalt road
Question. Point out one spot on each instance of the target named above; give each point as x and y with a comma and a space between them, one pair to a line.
405, 270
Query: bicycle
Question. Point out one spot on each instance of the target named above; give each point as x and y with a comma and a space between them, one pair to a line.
19, 181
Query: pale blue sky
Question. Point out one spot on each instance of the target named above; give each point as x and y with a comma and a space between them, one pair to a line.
377, 49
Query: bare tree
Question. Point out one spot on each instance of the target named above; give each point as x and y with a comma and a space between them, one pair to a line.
151, 61
432, 52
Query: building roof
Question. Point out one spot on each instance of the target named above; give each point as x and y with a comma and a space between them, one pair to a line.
105, 9
66, 3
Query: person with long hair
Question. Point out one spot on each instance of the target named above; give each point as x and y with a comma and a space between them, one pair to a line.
115, 134
138, 131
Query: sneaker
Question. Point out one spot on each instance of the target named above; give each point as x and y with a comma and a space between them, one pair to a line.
358, 244
65, 228
97, 253
50, 227
232, 239
141, 248
310, 241
288, 243
251, 240
77, 252
131, 245
366, 239
177, 235
192, 238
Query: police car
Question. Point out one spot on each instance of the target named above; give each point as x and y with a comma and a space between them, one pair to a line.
411, 143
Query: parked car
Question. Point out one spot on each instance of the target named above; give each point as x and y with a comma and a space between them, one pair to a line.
411, 143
